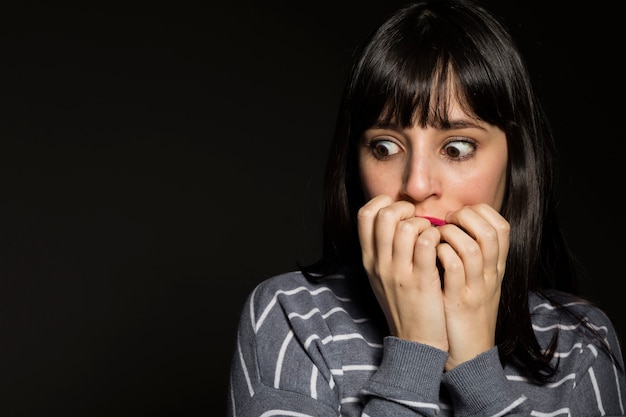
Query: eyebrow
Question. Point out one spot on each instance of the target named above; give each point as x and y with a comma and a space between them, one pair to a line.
451, 125
464, 124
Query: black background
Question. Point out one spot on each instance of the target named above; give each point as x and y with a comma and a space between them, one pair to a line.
159, 159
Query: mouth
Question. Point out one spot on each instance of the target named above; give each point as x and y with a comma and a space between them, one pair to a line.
434, 220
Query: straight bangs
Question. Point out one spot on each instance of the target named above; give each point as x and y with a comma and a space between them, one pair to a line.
415, 78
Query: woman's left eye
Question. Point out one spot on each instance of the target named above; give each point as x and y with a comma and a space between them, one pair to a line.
459, 149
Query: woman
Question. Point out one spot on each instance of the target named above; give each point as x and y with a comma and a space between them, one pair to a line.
445, 286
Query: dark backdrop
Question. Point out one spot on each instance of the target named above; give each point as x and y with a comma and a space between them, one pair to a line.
158, 159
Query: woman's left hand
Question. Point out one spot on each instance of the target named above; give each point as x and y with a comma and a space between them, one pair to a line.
473, 252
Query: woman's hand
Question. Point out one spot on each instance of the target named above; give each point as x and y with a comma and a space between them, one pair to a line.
473, 251
400, 253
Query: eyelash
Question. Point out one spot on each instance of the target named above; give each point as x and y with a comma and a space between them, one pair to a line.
463, 141
374, 144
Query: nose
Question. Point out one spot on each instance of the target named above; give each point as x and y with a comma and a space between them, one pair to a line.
420, 181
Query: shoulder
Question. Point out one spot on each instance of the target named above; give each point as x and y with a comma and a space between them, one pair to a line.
294, 284
578, 321
567, 309
294, 292
293, 306
287, 281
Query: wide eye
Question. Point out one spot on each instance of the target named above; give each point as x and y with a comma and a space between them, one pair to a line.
383, 148
459, 149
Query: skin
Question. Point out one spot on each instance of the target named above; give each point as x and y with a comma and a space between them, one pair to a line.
456, 174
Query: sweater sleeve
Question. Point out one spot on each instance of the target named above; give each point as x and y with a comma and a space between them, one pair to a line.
480, 387
407, 381
273, 373
409, 378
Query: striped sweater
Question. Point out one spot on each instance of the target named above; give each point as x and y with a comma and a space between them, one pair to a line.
319, 349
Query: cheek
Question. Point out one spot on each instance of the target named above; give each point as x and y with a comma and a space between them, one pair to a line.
377, 181
488, 189
499, 196
371, 185
498, 185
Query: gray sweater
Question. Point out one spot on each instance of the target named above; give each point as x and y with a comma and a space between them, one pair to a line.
320, 349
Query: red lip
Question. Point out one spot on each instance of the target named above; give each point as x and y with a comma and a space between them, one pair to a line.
434, 220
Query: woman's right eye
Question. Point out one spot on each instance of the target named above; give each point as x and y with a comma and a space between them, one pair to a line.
383, 148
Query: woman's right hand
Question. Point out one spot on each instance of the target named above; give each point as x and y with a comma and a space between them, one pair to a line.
399, 254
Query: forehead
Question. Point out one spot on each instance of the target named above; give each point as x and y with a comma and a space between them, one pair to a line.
438, 109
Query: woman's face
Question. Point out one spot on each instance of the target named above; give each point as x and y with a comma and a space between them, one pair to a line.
438, 170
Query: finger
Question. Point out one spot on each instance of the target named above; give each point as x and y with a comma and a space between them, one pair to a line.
385, 227
453, 279
425, 259
407, 233
467, 264
366, 217
489, 230
502, 230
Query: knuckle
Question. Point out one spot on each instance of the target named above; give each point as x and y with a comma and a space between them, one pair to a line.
366, 212
406, 228
386, 214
